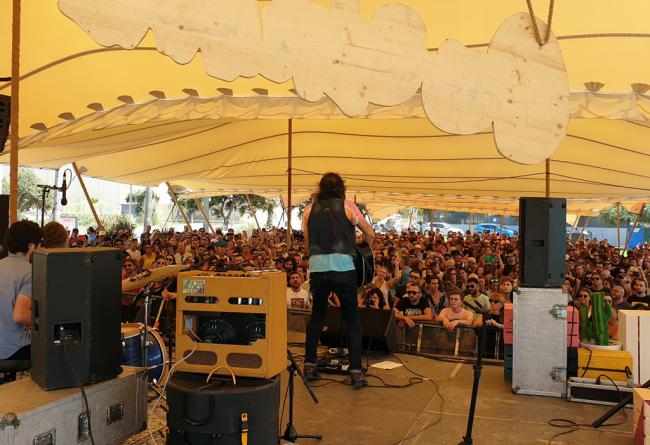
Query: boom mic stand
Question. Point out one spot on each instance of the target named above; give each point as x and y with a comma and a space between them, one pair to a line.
45, 190
478, 367
290, 433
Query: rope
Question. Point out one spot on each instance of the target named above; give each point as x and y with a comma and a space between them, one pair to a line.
548, 22
14, 130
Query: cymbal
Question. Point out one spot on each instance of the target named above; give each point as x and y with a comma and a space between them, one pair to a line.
146, 276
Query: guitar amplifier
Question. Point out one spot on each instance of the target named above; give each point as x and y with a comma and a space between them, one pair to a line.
232, 321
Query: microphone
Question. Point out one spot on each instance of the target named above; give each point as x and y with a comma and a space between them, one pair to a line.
64, 199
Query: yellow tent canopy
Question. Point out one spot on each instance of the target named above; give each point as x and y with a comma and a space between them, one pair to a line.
137, 117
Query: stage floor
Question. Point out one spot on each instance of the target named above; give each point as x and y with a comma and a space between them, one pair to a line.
385, 416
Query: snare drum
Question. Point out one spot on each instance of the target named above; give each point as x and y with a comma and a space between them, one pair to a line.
157, 359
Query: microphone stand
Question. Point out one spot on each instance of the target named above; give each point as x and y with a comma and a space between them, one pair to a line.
478, 367
290, 433
45, 189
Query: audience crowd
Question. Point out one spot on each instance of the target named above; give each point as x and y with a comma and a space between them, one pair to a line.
421, 276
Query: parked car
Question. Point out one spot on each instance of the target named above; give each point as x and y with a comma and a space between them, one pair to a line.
444, 228
487, 227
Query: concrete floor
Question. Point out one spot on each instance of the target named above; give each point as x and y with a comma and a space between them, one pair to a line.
385, 416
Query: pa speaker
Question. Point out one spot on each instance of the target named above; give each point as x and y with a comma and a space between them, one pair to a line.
542, 243
5, 113
4, 224
75, 316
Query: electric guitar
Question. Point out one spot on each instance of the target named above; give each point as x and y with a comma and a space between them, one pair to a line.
364, 263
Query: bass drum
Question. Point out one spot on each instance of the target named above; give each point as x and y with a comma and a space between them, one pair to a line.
157, 357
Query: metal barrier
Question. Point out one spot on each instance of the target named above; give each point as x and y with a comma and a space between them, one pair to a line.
425, 338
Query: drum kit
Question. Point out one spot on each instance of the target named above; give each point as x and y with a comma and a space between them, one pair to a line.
142, 345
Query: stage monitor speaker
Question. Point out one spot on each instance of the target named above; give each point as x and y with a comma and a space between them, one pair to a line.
78, 290
5, 113
542, 241
377, 329
4, 224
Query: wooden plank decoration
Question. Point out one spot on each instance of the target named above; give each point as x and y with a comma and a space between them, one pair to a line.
517, 86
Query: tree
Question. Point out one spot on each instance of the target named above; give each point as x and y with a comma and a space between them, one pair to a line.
137, 199
29, 194
188, 206
224, 206
627, 218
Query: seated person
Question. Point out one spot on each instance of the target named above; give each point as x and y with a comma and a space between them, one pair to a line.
455, 314
54, 235
22, 239
412, 307
297, 297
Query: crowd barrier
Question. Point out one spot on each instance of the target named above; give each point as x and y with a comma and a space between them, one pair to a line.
426, 338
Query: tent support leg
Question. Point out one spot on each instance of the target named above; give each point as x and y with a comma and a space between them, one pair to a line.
618, 225
289, 159
204, 214
636, 221
584, 227
100, 226
253, 211
180, 209
14, 129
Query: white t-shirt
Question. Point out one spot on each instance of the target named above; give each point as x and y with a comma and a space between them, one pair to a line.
298, 300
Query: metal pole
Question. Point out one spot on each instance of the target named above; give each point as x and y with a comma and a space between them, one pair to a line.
205, 216
500, 224
14, 129
618, 225
100, 226
290, 155
548, 178
57, 208
148, 209
638, 217
180, 209
584, 227
253, 211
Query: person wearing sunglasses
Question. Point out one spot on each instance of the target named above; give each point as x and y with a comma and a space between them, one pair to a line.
412, 307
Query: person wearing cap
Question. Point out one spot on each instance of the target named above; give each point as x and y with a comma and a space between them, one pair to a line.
21, 239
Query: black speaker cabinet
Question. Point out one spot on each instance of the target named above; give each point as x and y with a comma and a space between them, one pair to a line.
542, 241
4, 224
75, 295
377, 329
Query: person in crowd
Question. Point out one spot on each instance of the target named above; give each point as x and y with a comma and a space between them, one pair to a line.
639, 298
456, 314
415, 277
297, 297
476, 300
21, 239
434, 295
373, 298
74, 237
412, 307
329, 233
54, 236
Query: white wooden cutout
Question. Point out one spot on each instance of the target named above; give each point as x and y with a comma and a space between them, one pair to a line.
519, 87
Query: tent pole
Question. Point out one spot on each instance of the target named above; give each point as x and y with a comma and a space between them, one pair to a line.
548, 178
180, 209
100, 226
411, 217
205, 216
253, 211
575, 225
289, 156
500, 224
618, 225
636, 221
584, 227
14, 130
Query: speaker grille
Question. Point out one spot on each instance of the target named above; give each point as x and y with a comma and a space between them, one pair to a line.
240, 360
200, 357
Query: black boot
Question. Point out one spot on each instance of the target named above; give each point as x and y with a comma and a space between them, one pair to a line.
311, 371
358, 379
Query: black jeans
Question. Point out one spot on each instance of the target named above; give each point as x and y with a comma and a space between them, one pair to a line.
344, 285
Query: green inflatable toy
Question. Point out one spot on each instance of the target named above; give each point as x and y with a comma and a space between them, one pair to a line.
595, 328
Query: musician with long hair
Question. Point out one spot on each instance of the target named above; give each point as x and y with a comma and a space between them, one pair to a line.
329, 228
